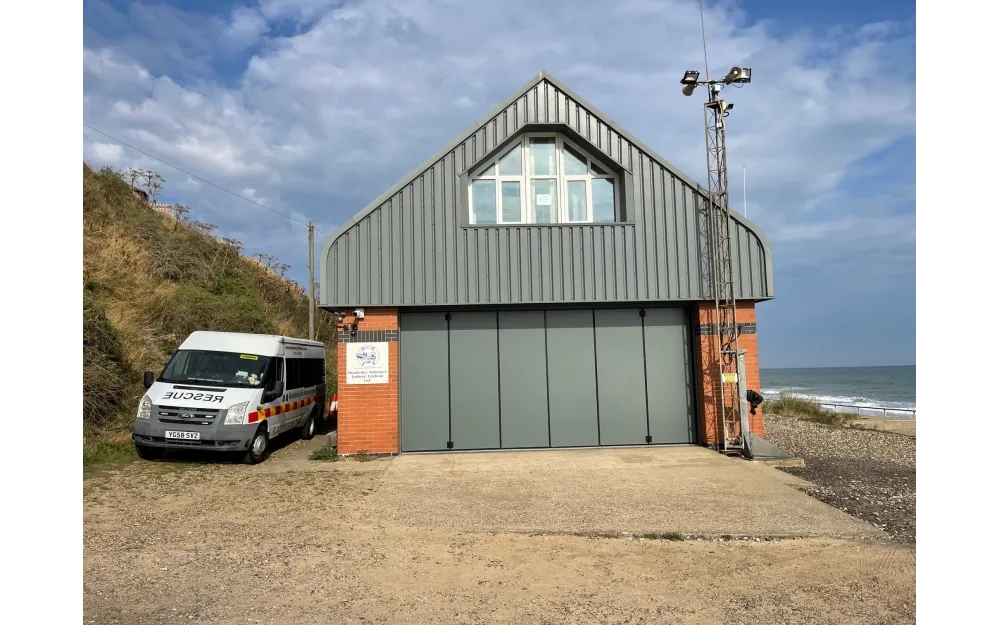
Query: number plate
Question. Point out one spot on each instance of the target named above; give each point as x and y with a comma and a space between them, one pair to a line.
184, 436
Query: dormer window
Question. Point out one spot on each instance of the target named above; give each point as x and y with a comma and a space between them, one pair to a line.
542, 179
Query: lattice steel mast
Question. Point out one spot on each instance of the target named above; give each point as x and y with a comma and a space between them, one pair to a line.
718, 214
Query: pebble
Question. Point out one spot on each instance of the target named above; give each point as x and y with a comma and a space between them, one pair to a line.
870, 475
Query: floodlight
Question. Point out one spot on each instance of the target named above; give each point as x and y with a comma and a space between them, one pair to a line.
739, 75
689, 88
690, 77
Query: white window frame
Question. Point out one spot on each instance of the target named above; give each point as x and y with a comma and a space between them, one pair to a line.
527, 214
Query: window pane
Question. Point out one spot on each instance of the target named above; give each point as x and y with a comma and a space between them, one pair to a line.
598, 171
576, 199
544, 201
574, 163
484, 201
510, 164
490, 171
603, 191
511, 201
542, 152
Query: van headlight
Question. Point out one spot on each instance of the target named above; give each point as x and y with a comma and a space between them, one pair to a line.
237, 415
145, 408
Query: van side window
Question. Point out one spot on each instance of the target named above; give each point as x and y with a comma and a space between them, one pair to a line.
273, 371
303, 372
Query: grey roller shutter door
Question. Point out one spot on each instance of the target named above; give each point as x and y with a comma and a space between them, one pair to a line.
554, 378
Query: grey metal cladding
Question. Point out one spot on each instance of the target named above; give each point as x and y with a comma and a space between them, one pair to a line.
411, 247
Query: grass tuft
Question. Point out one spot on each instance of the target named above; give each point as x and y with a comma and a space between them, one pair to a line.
362, 455
806, 409
662, 536
105, 452
327, 453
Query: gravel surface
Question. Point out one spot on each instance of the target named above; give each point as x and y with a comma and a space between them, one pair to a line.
870, 475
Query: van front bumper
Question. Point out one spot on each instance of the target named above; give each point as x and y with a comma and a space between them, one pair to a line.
213, 437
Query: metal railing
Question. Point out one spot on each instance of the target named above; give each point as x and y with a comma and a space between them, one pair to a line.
885, 411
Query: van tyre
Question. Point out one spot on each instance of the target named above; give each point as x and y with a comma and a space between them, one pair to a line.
309, 427
260, 445
149, 453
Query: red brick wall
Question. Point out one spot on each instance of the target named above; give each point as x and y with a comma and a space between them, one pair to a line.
368, 414
707, 370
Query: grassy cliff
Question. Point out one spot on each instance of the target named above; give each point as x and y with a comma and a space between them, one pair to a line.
148, 282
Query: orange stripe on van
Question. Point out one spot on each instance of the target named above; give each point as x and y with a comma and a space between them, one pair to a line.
263, 413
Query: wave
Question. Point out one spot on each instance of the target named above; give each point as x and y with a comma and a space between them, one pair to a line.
859, 400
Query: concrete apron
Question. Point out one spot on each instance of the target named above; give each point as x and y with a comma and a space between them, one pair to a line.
644, 490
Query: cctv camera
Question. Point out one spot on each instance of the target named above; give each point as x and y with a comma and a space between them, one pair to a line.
359, 313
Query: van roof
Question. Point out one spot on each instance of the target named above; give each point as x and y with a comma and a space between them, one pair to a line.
263, 344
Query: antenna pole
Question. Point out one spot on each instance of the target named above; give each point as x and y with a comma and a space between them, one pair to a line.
312, 290
732, 434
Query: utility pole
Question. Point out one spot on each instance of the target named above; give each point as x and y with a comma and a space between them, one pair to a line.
735, 432
312, 296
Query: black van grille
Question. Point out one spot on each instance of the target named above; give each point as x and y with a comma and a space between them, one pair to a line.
187, 416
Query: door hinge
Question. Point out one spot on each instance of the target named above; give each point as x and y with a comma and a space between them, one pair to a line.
649, 439
450, 445
642, 312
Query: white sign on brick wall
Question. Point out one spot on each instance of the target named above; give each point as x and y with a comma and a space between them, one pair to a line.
367, 363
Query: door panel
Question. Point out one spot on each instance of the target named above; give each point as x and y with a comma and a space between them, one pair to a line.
572, 392
621, 389
524, 414
423, 381
475, 397
669, 367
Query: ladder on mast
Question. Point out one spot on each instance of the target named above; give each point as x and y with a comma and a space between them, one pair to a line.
731, 437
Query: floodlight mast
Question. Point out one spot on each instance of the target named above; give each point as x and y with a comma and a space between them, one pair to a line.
720, 247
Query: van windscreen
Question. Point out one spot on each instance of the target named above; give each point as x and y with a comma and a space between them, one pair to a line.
216, 368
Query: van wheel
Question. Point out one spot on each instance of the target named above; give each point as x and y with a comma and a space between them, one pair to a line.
259, 446
309, 427
149, 453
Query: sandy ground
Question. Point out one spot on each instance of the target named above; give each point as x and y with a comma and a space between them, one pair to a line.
233, 544
692, 491
906, 427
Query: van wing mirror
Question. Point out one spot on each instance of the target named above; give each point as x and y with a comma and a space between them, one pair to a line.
147, 379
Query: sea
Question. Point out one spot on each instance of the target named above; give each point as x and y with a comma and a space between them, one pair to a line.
874, 388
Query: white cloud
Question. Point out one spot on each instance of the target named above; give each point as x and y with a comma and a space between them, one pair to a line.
245, 27
105, 154
323, 120
301, 10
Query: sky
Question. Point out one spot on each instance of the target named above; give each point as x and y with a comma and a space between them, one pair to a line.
315, 107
